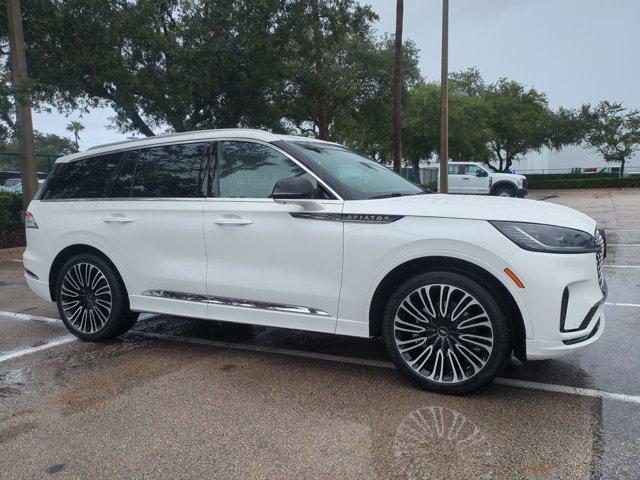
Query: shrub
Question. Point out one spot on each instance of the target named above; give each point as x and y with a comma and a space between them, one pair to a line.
592, 182
10, 212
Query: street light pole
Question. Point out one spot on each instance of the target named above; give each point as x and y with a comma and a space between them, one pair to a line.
24, 125
444, 101
397, 89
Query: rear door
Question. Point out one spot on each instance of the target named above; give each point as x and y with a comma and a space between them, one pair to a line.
270, 263
456, 174
151, 224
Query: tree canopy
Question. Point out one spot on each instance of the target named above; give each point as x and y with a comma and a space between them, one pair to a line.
612, 130
501, 121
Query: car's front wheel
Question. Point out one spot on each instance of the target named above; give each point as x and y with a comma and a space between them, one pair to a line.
92, 300
505, 192
446, 332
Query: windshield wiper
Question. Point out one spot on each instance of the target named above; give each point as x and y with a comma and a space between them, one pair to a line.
388, 195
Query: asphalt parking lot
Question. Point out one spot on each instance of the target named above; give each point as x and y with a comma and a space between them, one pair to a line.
183, 398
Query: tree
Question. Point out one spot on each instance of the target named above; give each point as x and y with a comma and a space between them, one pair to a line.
176, 65
45, 143
488, 122
325, 69
612, 130
397, 89
367, 126
75, 127
518, 119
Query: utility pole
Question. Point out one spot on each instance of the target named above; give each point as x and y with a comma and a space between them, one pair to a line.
444, 101
24, 125
397, 89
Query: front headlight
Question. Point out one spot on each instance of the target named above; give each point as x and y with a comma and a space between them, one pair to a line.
547, 238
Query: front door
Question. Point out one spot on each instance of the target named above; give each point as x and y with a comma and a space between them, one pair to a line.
270, 263
475, 184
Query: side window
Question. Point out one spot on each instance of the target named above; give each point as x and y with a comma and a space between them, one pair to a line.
251, 170
168, 171
455, 169
123, 183
473, 169
84, 178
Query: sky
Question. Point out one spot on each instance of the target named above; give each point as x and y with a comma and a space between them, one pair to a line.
576, 51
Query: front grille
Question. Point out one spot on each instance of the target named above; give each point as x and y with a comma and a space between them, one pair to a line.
600, 254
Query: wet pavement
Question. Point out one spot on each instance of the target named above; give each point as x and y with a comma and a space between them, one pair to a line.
184, 398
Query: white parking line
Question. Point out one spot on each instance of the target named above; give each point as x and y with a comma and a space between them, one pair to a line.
635, 305
16, 260
24, 316
585, 392
622, 266
511, 382
20, 352
623, 244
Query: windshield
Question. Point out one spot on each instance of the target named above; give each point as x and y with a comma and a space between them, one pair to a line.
363, 177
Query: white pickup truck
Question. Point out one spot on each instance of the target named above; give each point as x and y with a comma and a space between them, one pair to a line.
479, 179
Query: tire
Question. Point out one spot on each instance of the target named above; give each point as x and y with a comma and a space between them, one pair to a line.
92, 300
504, 192
454, 353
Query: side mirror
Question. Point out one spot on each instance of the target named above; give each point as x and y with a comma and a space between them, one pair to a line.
481, 173
294, 188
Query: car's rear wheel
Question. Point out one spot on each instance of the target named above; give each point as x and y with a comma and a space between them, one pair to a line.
446, 332
92, 300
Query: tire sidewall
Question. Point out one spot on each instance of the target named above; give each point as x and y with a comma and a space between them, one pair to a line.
119, 307
501, 330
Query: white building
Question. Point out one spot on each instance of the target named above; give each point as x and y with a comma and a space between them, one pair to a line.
563, 161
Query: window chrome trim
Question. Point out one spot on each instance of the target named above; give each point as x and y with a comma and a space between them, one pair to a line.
234, 302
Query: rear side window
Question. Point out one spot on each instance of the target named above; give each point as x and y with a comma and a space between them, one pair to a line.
171, 171
84, 178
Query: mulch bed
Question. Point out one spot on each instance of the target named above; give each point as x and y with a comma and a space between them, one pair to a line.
12, 239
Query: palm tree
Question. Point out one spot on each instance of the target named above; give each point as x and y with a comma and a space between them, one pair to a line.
75, 127
397, 89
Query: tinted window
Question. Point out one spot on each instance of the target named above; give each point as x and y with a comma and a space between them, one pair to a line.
170, 171
123, 183
251, 170
362, 177
85, 178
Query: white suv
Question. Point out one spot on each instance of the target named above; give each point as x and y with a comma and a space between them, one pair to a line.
252, 227
478, 179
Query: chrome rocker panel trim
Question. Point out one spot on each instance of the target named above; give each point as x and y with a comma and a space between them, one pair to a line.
235, 302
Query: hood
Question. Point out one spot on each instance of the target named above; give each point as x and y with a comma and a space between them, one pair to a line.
475, 207
507, 176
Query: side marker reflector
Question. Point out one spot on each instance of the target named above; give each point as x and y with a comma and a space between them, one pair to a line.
513, 277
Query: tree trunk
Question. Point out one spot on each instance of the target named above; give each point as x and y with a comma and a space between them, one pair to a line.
397, 89
24, 125
622, 168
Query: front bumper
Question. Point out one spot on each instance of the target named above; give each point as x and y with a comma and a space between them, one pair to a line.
569, 342
564, 296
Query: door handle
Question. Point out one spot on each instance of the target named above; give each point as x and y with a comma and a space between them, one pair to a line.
117, 219
232, 221
465, 178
